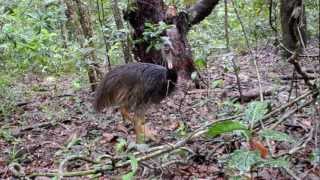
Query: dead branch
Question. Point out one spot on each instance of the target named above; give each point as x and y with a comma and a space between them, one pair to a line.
251, 94
287, 77
20, 131
283, 107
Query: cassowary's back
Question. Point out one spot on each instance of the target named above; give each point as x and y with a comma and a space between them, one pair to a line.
134, 86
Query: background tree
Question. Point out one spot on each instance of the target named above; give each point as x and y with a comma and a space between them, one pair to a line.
140, 12
293, 25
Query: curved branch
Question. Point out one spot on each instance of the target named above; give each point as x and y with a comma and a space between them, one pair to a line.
201, 10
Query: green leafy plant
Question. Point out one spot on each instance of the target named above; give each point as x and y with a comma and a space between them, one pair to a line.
121, 145
152, 35
134, 168
243, 160
226, 127
6, 135
231, 107
200, 63
255, 111
276, 135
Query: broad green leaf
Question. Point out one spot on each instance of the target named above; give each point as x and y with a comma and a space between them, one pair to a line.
227, 127
243, 160
276, 135
255, 111
276, 163
200, 63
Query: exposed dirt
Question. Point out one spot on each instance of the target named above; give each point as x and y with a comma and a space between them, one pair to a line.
57, 121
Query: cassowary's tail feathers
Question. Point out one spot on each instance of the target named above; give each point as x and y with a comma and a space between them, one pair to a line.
101, 97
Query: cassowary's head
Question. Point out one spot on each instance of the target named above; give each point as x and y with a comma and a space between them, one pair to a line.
177, 53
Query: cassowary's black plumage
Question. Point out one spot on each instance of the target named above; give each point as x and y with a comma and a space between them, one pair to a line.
134, 87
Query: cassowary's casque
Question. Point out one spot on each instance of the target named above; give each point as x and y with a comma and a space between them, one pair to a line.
134, 87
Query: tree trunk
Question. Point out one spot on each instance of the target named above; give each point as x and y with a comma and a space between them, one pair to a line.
175, 38
292, 25
125, 43
73, 25
85, 21
101, 18
226, 27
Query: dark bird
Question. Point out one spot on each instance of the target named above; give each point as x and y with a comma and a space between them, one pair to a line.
134, 87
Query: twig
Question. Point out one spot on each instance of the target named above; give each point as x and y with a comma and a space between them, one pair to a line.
19, 131
283, 107
61, 166
290, 113
304, 143
172, 162
292, 174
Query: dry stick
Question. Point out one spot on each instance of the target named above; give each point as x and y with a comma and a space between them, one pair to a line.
61, 166
248, 46
290, 113
283, 107
291, 173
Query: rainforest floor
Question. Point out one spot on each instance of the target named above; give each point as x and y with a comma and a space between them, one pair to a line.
53, 119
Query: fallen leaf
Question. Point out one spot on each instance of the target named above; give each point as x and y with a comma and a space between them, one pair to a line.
120, 127
255, 144
108, 137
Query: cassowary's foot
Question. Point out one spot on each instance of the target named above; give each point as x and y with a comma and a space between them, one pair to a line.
150, 134
144, 133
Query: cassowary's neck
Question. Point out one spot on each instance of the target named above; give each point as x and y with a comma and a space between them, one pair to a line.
172, 75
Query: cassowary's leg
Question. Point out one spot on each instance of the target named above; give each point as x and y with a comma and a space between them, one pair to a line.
125, 113
142, 132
